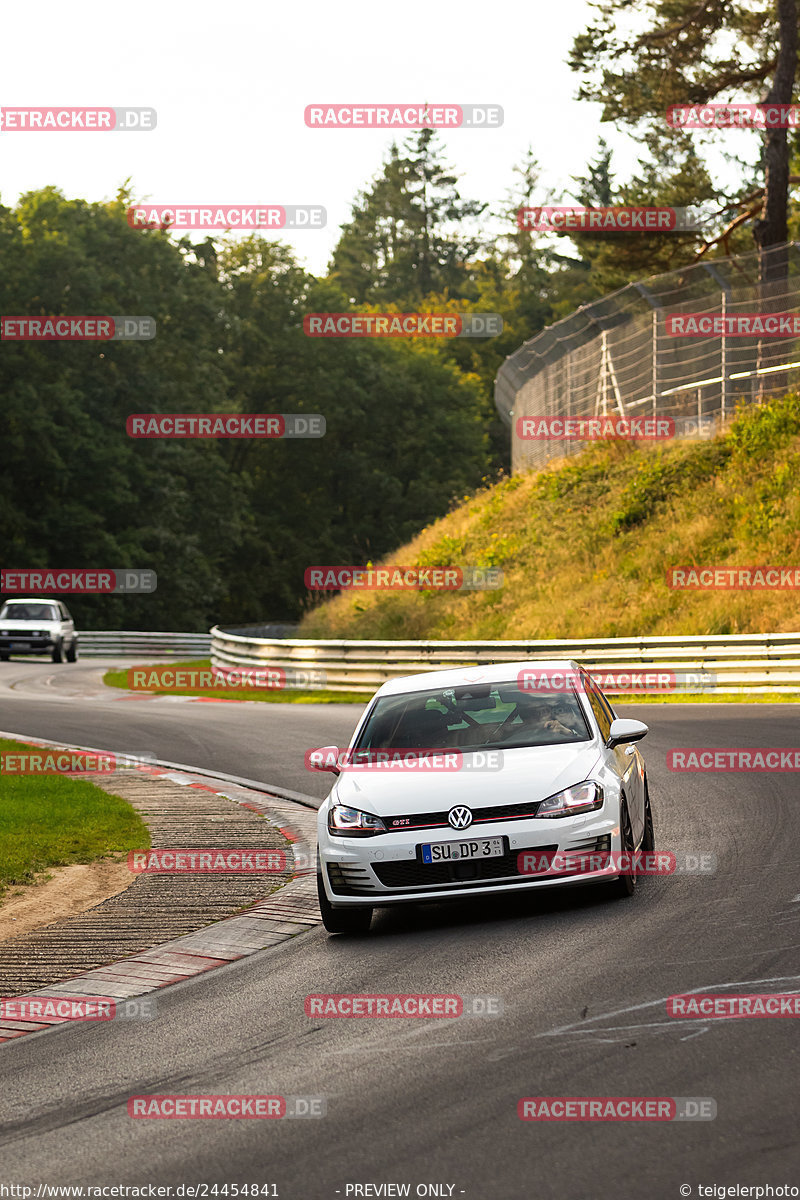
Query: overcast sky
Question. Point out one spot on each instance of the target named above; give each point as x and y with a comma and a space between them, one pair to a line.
230, 82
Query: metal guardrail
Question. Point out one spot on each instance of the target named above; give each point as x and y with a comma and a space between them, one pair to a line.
279, 629
99, 643
721, 663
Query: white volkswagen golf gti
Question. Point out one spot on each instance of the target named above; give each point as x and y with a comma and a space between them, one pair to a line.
480, 781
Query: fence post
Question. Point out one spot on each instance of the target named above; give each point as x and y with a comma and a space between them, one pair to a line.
655, 363
723, 359
569, 383
604, 370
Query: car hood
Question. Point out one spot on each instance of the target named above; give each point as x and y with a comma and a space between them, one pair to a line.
17, 623
529, 773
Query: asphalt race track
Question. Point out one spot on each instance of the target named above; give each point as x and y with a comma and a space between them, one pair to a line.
582, 981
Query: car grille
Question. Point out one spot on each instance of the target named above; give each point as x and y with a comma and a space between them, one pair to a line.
500, 812
412, 876
589, 845
348, 879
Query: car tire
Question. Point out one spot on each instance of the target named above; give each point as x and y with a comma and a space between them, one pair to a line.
649, 835
341, 920
72, 653
625, 886
4, 657
58, 652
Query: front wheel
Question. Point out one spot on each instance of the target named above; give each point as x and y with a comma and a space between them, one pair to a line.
72, 653
58, 652
626, 884
341, 920
4, 657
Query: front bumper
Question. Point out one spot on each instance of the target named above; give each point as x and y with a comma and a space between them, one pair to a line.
388, 869
26, 645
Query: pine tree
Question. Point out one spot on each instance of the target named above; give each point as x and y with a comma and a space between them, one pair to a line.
403, 240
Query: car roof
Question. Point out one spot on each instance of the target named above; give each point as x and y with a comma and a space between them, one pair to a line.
506, 672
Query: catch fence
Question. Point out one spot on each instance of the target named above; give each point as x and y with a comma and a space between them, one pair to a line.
615, 358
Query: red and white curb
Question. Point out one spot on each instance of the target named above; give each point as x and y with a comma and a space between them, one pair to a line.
291, 910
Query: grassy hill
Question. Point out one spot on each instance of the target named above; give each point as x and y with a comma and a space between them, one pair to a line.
585, 545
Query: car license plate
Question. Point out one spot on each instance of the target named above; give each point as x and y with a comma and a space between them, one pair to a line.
444, 852
18, 646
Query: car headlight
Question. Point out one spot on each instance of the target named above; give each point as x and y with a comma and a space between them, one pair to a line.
584, 797
351, 822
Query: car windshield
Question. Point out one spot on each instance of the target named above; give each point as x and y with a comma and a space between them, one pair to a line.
473, 717
28, 612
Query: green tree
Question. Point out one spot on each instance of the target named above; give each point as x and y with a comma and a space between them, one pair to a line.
596, 188
615, 259
682, 51
405, 433
404, 239
75, 490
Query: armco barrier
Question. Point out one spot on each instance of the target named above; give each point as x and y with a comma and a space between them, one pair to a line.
96, 644
729, 663
100, 643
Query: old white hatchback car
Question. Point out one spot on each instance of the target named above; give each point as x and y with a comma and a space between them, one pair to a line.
480, 781
37, 626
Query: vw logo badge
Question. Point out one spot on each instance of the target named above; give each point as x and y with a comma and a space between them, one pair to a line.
460, 817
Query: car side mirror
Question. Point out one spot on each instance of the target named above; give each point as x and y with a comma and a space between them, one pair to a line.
625, 730
326, 758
